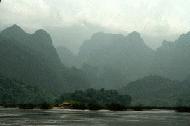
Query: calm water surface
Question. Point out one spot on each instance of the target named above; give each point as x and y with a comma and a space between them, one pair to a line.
56, 117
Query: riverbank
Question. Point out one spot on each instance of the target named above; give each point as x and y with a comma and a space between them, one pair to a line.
113, 108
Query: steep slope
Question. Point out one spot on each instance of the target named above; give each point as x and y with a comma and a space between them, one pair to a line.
40, 42
112, 60
33, 59
172, 59
22, 61
67, 57
157, 91
117, 58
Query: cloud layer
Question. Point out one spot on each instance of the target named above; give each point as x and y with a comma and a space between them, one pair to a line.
151, 17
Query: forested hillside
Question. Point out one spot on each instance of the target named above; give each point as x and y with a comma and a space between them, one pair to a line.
33, 60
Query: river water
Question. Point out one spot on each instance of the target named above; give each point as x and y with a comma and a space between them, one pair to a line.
58, 117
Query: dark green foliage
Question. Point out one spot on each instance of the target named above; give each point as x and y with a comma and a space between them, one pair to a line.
158, 91
78, 105
94, 106
182, 109
138, 108
26, 106
45, 105
116, 107
96, 99
13, 93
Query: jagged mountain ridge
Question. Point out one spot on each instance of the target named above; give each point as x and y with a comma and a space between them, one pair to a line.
23, 59
40, 41
113, 55
172, 58
33, 59
128, 58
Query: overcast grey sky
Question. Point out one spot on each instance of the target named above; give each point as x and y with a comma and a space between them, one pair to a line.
155, 18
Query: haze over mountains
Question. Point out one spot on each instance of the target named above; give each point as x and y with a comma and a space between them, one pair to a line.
172, 59
33, 59
114, 61
127, 58
106, 60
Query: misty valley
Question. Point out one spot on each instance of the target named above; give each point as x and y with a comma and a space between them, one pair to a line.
110, 72
94, 63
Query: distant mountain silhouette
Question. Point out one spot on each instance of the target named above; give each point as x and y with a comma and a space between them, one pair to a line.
28, 57
40, 41
111, 61
117, 58
172, 59
33, 59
